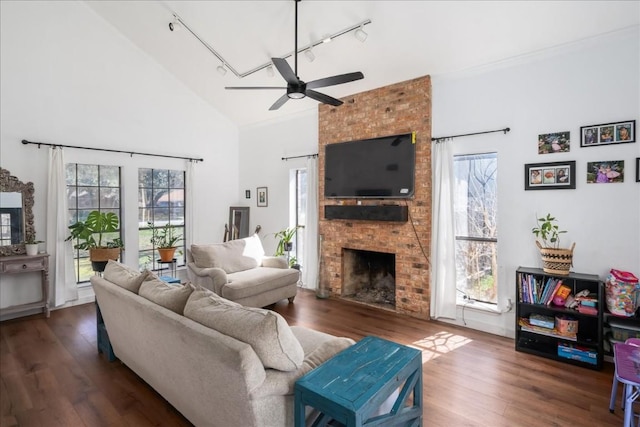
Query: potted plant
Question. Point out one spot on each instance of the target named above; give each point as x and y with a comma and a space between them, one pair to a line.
164, 239
285, 242
555, 260
31, 245
90, 236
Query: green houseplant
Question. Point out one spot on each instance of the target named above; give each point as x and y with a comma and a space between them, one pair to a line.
555, 260
165, 239
285, 242
90, 235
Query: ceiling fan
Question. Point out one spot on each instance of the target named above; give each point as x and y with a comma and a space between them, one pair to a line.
298, 89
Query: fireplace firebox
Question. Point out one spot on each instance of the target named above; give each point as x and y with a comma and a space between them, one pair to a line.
369, 277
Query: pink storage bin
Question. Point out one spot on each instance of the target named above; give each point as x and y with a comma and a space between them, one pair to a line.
621, 293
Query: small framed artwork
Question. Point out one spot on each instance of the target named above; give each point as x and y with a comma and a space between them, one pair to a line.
605, 172
550, 176
263, 197
637, 169
608, 133
558, 142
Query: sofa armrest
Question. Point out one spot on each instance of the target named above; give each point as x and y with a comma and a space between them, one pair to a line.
274, 262
212, 278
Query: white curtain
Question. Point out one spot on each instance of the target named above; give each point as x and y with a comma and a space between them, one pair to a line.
61, 274
310, 261
191, 203
443, 265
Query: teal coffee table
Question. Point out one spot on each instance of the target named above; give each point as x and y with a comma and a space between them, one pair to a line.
350, 388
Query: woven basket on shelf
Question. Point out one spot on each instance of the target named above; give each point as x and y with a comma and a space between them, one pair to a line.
556, 261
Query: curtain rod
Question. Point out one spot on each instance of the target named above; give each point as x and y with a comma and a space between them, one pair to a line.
25, 142
442, 138
308, 156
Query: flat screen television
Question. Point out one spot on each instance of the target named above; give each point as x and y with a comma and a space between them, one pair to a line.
380, 168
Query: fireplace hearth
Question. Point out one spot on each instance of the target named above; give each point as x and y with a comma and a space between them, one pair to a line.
369, 277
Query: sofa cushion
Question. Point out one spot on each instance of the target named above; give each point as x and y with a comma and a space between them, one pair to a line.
170, 297
232, 256
244, 284
124, 276
266, 331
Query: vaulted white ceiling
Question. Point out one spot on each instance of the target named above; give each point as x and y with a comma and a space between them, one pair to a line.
406, 39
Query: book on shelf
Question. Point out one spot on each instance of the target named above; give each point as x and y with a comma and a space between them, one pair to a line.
525, 325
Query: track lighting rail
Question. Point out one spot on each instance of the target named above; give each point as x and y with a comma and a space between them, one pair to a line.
240, 75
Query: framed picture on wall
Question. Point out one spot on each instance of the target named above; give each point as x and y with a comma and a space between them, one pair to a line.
605, 172
637, 169
608, 133
550, 176
263, 197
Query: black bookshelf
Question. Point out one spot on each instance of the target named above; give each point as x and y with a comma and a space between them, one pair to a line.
586, 347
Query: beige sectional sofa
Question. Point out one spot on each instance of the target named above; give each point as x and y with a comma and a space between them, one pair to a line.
239, 271
219, 363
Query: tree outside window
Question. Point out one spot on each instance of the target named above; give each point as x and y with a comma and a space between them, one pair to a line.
475, 210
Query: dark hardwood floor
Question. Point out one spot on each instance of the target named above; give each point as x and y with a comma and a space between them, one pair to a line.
52, 375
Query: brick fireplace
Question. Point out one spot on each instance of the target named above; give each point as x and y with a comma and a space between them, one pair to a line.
400, 108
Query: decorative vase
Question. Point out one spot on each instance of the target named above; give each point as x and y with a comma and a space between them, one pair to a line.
166, 254
31, 248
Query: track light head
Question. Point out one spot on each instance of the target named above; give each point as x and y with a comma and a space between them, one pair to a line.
360, 34
310, 55
270, 71
175, 24
221, 69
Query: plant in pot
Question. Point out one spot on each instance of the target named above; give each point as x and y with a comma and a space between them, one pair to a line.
285, 242
91, 235
555, 260
31, 245
165, 240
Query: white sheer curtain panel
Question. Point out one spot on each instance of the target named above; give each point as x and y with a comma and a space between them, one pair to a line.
190, 202
61, 273
443, 273
310, 262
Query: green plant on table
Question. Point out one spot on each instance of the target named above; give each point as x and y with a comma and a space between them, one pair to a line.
285, 239
548, 232
164, 237
90, 233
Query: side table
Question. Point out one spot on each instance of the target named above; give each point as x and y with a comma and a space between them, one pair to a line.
19, 264
171, 274
351, 387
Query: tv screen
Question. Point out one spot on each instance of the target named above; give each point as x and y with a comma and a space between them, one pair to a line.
371, 168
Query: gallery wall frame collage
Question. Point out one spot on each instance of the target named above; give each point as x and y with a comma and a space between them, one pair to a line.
562, 175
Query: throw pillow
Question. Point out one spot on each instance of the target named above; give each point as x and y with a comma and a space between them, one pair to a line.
124, 276
233, 256
170, 297
266, 331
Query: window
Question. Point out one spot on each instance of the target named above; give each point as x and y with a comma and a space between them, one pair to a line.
89, 188
475, 215
160, 201
300, 212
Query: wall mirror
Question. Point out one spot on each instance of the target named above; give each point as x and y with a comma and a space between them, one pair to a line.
238, 222
16, 214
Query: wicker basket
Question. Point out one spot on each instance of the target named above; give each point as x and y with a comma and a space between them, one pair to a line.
556, 261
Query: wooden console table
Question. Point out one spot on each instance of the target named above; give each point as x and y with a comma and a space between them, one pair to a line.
17, 264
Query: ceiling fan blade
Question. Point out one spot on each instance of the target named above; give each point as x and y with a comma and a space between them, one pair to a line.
335, 80
285, 70
254, 87
325, 99
280, 102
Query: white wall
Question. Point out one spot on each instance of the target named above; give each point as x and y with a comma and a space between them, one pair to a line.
592, 82
556, 90
262, 147
68, 77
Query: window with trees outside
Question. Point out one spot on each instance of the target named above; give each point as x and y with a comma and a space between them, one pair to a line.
301, 213
475, 215
161, 201
91, 188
